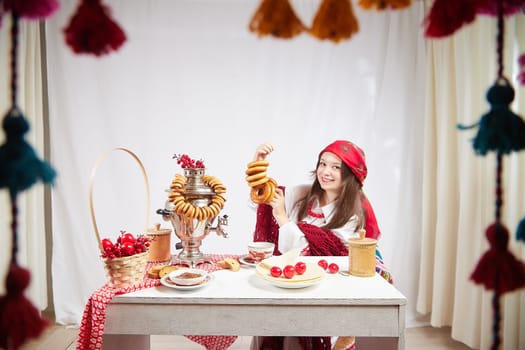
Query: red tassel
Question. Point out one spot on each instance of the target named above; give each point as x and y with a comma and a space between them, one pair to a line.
19, 319
33, 9
490, 7
498, 269
446, 16
91, 30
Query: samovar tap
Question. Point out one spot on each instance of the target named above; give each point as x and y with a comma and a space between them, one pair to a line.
219, 229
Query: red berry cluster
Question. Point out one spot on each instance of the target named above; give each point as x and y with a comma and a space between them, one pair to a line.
126, 245
187, 163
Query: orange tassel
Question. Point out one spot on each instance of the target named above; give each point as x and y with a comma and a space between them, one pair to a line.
276, 18
335, 21
384, 4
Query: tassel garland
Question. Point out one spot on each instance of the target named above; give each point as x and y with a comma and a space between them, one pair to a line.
335, 20
20, 168
92, 31
276, 18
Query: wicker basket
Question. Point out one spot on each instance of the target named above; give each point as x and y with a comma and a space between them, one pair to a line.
125, 271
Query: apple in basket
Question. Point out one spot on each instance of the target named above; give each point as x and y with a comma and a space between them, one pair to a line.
127, 244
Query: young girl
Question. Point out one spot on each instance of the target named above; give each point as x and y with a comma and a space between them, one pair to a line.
318, 218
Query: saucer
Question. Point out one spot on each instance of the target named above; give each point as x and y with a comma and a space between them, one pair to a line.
313, 275
248, 261
165, 281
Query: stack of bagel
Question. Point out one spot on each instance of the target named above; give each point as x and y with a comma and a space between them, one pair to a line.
262, 186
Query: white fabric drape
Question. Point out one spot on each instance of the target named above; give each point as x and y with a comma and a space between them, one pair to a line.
192, 79
458, 191
31, 225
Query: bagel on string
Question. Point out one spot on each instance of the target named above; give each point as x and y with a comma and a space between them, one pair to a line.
184, 208
262, 186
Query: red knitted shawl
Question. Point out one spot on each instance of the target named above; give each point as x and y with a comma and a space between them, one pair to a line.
321, 242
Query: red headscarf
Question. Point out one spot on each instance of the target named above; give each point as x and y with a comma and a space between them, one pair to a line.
354, 158
351, 155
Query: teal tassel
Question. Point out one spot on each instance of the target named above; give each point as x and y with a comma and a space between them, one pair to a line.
500, 129
520, 232
20, 167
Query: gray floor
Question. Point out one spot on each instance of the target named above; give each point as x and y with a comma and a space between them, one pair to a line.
428, 338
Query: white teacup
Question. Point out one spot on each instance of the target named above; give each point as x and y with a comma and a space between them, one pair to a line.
259, 251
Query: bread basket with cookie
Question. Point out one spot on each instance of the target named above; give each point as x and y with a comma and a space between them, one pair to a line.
126, 257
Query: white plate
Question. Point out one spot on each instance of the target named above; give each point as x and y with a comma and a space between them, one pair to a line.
177, 276
246, 260
313, 275
165, 281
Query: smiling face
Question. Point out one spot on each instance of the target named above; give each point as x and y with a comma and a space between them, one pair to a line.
329, 174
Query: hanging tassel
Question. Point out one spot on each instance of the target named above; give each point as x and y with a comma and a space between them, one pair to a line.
335, 20
384, 4
32, 9
521, 75
498, 269
92, 31
520, 231
19, 320
500, 129
491, 7
20, 167
446, 17
276, 18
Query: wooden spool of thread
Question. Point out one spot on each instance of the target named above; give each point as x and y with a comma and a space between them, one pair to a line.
362, 255
160, 244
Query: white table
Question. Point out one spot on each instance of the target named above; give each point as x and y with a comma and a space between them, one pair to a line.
240, 303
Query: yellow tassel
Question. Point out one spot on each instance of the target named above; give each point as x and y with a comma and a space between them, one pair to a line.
276, 18
335, 21
384, 4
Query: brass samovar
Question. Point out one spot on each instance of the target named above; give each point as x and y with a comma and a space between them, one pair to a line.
194, 201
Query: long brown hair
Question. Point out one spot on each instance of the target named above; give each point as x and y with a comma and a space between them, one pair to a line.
347, 204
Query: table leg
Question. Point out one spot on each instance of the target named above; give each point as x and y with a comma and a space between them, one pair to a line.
126, 341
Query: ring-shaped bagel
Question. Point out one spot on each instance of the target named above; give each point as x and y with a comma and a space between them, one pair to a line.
263, 193
258, 163
258, 182
255, 177
256, 170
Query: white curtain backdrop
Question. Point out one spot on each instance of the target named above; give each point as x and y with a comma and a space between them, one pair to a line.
192, 79
31, 228
459, 186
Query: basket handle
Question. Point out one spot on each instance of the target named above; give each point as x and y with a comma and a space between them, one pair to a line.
92, 181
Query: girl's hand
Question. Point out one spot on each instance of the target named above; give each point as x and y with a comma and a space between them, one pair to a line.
279, 208
262, 151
